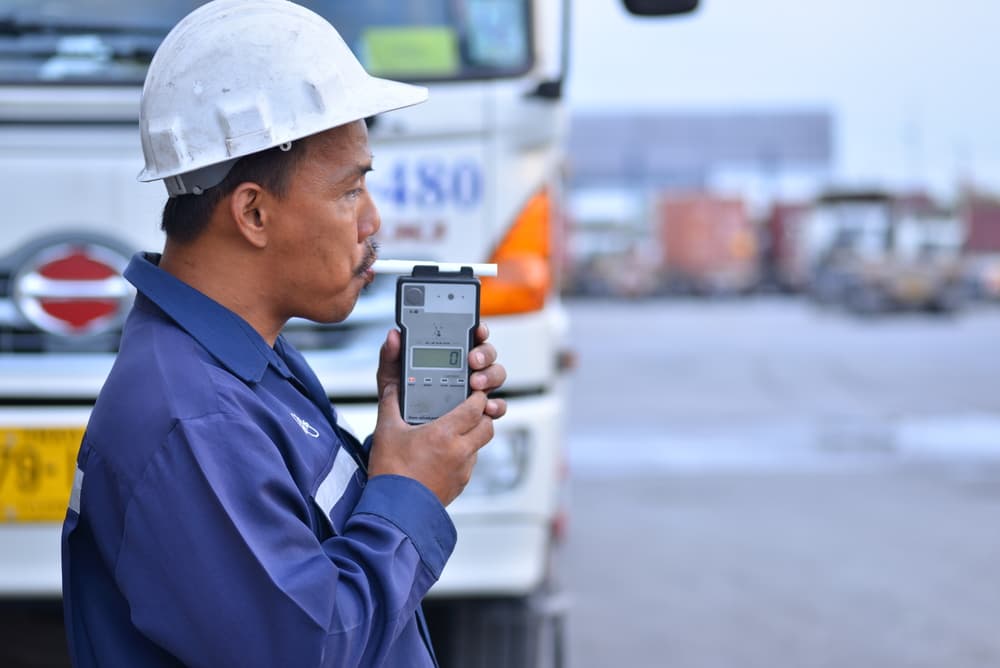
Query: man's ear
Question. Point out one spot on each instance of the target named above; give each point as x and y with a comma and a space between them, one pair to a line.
246, 207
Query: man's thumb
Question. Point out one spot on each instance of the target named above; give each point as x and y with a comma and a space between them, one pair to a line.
388, 403
389, 352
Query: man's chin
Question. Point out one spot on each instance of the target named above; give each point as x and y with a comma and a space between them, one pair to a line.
343, 303
344, 307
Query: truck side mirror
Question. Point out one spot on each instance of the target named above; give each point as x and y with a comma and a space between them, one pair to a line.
660, 7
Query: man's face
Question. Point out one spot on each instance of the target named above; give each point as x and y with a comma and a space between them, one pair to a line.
321, 234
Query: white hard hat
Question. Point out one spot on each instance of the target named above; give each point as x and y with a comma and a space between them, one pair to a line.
235, 77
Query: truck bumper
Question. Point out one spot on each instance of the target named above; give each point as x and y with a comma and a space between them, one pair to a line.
30, 561
495, 558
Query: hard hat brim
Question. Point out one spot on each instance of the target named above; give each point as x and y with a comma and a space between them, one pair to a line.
380, 96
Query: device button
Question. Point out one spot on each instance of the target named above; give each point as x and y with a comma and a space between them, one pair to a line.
428, 381
444, 381
459, 381
411, 381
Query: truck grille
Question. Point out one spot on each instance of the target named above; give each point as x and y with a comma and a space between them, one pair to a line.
25, 339
18, 336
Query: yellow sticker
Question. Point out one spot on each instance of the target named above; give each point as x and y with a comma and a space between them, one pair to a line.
412, 52
37, 467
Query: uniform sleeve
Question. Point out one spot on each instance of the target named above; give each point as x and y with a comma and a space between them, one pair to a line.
220, 567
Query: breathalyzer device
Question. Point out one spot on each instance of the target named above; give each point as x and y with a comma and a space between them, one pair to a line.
437, 313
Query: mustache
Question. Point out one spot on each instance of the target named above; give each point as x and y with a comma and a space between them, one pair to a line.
371, 253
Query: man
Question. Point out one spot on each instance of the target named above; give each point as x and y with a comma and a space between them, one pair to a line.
221, 516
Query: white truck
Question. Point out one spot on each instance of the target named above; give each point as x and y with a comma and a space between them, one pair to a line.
472, 175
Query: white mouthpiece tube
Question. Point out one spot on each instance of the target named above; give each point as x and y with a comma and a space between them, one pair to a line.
406, 267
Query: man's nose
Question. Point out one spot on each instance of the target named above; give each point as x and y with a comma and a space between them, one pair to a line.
370, 221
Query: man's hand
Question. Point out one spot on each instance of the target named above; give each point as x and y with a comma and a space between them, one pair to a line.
439, 454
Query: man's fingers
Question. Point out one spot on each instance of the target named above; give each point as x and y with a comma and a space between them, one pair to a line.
463, 418
496, 408
482, 432
482, 333
489, 379
482, 356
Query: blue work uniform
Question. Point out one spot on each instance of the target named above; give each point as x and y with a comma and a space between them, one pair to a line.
222, 517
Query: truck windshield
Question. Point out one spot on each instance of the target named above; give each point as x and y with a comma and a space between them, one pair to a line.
112, 41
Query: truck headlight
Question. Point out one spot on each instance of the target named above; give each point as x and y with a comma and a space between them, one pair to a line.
501, 465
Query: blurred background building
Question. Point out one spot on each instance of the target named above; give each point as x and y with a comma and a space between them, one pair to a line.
711, 203
857, 164
647, 151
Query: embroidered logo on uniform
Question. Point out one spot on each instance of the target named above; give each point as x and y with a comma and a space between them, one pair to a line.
306, 427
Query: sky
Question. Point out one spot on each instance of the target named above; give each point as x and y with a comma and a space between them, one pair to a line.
913, 85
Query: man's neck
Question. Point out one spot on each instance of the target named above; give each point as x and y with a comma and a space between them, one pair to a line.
226, 277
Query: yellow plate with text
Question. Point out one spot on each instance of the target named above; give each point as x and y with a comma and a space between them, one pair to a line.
36, 473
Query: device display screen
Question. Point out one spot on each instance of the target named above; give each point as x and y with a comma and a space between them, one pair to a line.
437, 358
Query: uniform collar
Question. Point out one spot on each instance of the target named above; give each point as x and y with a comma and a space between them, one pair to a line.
227, 336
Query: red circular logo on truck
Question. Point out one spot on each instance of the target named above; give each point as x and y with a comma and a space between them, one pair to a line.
74, 289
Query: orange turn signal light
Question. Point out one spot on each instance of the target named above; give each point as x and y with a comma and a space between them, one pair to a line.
525, 263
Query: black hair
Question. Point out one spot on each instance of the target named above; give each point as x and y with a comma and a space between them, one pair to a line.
186, 216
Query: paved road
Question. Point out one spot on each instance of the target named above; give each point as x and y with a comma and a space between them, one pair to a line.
758, 483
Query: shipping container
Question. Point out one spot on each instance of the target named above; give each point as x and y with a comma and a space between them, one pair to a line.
708, 244
783, 263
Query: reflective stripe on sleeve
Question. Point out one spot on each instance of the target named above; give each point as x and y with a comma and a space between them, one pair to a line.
74, 495
336, 481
